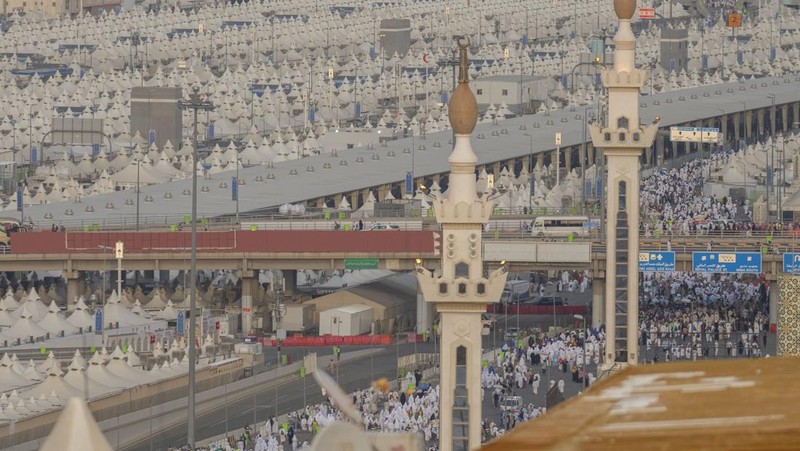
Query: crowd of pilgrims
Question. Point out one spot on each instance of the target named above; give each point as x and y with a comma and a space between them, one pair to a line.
700, 315
394, 411
674, 202
519, 366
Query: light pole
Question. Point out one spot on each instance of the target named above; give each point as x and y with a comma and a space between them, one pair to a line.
138, 166
583, 151
744, 121
194, 103
771, 156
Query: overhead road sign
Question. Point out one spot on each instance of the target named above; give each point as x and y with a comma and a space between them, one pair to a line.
647, 13
791, 263
694, 134
727, 262
734, 20
656, 261
360, 263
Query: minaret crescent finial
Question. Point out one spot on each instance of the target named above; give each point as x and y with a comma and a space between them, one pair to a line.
463, 62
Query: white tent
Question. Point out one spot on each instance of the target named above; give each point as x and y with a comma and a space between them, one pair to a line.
25, 327
77, 378
76, 430
97, 372
55, 323
120, 368
54, 383
35, 308
81, 316
116, 313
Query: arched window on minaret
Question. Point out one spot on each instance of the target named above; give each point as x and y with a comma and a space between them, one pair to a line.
462, 269
623, 122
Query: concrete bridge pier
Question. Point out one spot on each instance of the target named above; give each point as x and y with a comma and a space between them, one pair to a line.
568, 159
659, 157
289, 282
163, 277
75, 285
598, 302
425, 315
249, 283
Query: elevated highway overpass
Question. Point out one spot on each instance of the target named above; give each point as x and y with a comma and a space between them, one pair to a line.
742, 111
248, 251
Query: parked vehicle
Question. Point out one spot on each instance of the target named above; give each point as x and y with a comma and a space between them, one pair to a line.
516, 291
561, 226
384, 227
511, 403
549, 300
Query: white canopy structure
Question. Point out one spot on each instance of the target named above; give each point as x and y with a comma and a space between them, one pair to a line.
76, 430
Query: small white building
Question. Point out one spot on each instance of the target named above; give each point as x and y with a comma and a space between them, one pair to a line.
518, 92
349, 320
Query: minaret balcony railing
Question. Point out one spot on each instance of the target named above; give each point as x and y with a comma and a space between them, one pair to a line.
633, 79
477, 212
483, 290
623, 138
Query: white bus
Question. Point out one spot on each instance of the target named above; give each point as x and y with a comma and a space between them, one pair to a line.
560, 226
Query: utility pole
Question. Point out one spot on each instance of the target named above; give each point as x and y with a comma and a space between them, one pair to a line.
194, 103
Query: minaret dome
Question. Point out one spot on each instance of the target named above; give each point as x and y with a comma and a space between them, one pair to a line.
625, 9
463, 106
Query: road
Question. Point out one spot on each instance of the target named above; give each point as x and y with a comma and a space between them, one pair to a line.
288, 395
284, 396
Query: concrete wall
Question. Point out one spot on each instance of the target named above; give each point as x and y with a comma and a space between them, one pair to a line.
156, 109
526, 251
126, 401
506, 89
220, 242
674, 46
395, 36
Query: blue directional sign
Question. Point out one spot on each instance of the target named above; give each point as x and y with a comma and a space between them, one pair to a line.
409, 182
152, 137
20, 202
657, 261
211, 130
181, 321
234, 189
791, 263
95, 149
33, 155
98, 321
730, 262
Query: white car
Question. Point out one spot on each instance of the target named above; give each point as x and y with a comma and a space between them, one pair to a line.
384, 227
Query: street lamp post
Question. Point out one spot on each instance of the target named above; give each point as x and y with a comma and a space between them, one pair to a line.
584, 149
138, 190
770, 164
194, 103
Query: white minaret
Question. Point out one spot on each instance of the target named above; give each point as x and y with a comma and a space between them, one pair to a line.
460, 290
622, 140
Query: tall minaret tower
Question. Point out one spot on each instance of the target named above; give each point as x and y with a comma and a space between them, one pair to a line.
460, 290
622, 139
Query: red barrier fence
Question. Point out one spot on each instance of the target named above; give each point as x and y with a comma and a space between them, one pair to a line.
538, 309
331, 340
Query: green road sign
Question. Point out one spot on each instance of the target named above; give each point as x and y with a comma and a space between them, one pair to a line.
360, 263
